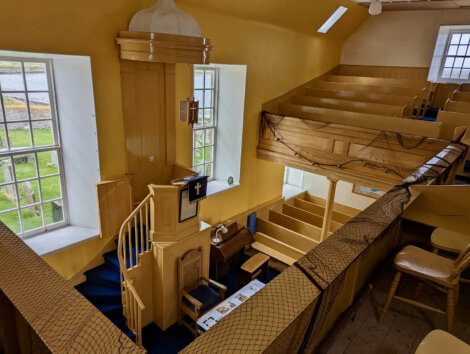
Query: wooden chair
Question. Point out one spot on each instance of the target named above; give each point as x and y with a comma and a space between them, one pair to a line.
440, 272
437, 342
195, 294
449, 241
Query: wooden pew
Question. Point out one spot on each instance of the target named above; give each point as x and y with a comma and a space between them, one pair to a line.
460, 96
457, 106
419, 84
464, 87
362, 120
427, 87
371, 97
352, 106
454, 125
452, 120
416, 96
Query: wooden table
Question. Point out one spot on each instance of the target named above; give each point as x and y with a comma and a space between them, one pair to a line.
210, 318
252, 268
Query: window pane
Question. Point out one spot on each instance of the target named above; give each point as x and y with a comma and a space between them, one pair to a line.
2, 119
208, 170
465, 38
6, 170
452, 50
199, 169
51, 188
464, 74
466, 63
458, 62
15, 106
208, 117
11, 219
198, 79
462, 50
25, 166
39, 105
36, 76
8, 197
449, 62
198, 97
19, 135
29, 192
42, 133
3, 138
199, 119
209, 138
455, 38
208, 98
208, 154
209, 79
446, 73
455, 74
48, 163
198, 138
31, 217
198, 157
53, 212
11, 76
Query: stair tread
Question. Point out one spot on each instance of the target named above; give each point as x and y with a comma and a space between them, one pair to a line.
90, 291
273, 253
104, 274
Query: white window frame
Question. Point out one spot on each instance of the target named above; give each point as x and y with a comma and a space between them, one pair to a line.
445, 56
33, 150
199, 127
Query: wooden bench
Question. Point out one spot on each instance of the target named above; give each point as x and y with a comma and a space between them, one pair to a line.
457, 106
370, 97
254, 267
362, 120
460, 96
464, 87
352, 106
417, 96
379, 81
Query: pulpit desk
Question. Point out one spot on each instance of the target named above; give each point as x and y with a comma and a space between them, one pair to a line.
230, 251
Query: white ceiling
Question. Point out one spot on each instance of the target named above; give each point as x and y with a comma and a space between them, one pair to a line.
397, 5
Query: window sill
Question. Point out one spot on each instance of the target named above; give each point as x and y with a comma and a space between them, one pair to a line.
53, 241
216, 187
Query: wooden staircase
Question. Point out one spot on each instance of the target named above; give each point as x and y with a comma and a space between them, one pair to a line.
289, 233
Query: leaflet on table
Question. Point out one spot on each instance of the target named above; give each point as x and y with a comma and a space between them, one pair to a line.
227, 306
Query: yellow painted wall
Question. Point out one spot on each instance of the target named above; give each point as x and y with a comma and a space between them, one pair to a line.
278, 60
276, 38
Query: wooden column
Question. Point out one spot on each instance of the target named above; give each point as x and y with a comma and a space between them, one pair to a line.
328, 208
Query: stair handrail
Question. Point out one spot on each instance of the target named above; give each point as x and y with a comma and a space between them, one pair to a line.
130, 295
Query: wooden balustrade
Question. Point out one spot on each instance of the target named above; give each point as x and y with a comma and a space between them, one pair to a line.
134, 241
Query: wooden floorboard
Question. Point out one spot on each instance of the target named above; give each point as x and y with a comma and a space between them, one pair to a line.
404, 326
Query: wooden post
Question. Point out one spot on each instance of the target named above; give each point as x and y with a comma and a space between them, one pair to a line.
328, 208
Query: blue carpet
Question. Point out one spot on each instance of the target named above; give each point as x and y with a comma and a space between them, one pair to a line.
103, 290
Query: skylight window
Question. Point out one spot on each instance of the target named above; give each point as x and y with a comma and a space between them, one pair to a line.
340, 11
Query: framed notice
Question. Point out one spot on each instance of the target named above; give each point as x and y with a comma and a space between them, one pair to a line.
187, 210
371, 192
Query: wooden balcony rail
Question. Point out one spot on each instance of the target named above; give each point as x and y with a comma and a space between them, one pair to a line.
41, 312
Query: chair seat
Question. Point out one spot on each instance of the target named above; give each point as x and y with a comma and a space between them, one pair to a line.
448, 240
204, 294
426, 265
437, 342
